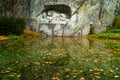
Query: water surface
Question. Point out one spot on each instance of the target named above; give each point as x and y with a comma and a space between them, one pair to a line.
59, 58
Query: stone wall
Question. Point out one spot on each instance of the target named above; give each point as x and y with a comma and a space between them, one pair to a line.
84, 14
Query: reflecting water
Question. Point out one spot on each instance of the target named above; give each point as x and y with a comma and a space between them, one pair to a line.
60, 59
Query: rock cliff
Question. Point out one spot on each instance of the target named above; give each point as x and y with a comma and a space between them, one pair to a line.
67, 17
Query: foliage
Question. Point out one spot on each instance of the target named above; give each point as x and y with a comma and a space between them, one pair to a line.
3, 38
14, 37
91, 29
109, 34
29, 32
11, 25
116, 23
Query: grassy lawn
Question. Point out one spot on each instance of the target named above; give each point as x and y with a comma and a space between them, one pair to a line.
109, 34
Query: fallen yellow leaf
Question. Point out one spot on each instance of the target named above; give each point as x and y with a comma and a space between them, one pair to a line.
55, 78
111, 71
82, 78
37, 63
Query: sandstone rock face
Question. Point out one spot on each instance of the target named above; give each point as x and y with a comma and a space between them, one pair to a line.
71, 17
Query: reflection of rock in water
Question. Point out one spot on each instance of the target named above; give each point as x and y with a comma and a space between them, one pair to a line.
72, 47
43, 34
98, 45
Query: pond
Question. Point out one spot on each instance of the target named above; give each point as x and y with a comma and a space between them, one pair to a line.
61, 58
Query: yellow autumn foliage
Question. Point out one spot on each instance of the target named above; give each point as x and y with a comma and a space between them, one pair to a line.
3, 38
30, 33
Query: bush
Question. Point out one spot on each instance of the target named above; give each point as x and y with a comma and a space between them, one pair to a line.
11, 25
116, 23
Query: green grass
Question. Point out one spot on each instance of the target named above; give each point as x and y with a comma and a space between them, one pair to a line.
14, 37
109, 34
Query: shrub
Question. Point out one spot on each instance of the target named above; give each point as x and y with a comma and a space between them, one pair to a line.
116, 23
11, 25
29, 32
